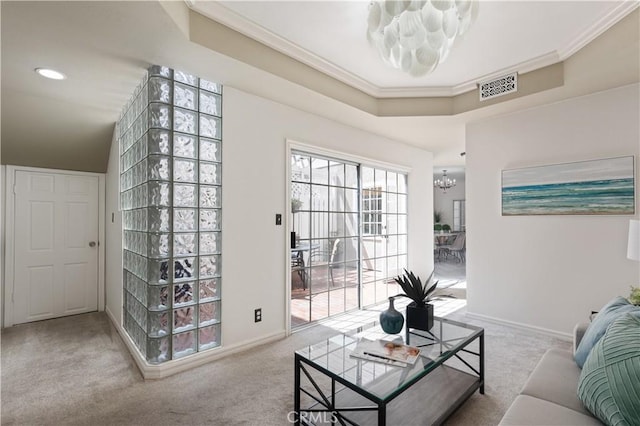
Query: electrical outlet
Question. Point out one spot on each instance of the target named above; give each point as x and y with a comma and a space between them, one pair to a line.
257, 315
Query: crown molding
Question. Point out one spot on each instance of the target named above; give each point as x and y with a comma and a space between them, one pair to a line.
520, 68
239, 23
599, 27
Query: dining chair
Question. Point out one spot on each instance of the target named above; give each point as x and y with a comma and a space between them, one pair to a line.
442, 242
457, 248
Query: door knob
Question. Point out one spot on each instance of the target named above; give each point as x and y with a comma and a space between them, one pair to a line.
92, 244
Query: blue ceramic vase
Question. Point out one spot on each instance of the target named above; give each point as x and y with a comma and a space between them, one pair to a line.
391, 320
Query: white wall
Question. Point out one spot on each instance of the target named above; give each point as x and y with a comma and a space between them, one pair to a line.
113, 231
548, 271
443, 202
254, 249
254, 190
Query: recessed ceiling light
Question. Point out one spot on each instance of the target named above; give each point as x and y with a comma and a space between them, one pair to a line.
52, 74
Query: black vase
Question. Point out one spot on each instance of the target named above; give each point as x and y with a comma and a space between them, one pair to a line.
391, 320
420, 317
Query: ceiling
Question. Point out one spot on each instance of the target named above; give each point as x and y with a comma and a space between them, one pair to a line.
506, 36
105, 47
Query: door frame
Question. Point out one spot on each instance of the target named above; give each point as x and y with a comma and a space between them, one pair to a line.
9, 223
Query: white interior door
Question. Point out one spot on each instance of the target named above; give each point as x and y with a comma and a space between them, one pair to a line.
56, 245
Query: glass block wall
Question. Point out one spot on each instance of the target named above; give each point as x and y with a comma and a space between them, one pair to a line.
170, 157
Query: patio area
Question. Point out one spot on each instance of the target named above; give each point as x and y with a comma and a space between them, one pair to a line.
321, 297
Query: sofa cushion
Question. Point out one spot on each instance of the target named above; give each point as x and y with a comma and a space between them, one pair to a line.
609, 313
527, 410
555, 379
609, 385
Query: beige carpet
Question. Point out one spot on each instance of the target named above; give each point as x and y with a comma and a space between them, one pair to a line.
77, 371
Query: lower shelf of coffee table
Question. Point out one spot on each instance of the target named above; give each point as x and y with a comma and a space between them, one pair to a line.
428, 402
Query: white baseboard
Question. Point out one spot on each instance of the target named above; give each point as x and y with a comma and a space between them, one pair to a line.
111, 316
133, 350
564, 336
169, 368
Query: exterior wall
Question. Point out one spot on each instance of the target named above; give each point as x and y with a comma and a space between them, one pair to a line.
548, 272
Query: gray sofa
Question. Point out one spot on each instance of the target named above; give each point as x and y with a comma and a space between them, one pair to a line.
549, 397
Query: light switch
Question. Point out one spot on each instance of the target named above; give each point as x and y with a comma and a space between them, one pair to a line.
278, 219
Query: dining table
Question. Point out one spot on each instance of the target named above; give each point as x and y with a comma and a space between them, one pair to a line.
303, 247
442, 237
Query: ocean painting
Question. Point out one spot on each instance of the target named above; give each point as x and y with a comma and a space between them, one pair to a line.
599, 187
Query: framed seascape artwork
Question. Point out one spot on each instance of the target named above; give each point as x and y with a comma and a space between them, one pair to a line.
596, 187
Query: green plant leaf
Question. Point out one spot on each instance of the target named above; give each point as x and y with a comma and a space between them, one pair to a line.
413, 287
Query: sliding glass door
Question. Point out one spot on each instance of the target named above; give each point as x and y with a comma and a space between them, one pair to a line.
383, 252
349, 236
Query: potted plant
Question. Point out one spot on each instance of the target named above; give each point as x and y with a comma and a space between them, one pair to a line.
437, 227
437, 216
446, 228
295, 205
419, 312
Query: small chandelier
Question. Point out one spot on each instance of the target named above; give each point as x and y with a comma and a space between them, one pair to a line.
416, 35
444, 182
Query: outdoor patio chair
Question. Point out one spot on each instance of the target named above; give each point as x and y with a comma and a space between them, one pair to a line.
332, 259
319, 257
297, 266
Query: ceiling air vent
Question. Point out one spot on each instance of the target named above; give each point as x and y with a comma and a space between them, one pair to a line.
499, 86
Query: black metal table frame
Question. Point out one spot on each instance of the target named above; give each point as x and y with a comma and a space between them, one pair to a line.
328, 403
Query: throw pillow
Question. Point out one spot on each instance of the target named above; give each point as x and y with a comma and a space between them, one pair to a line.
609, 313
609, 384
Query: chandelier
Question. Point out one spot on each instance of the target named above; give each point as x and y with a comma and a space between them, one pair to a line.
416, 35
444, 182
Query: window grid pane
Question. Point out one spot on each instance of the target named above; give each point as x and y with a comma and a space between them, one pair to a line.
324, 194
384, 232
351, 222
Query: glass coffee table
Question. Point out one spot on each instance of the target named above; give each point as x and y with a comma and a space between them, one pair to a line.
332, 387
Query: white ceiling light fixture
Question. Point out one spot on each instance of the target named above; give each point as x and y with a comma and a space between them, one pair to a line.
444, 182
415, 36
50, 73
